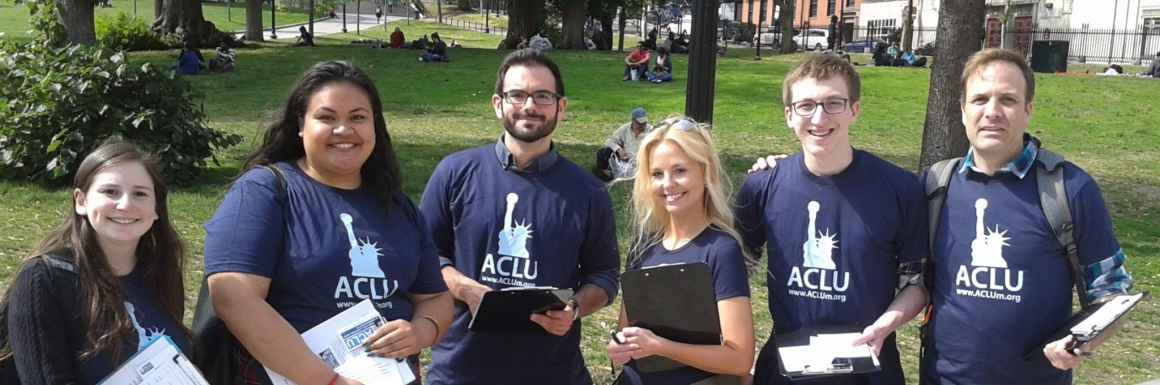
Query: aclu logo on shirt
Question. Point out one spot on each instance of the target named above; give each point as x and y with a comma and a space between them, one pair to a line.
988, 276
511, 264
369, 280
818, 277
144, 336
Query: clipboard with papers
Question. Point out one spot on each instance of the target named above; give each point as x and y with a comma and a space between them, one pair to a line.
160, 363
812, 353
676, 302
1091, 324
509, 310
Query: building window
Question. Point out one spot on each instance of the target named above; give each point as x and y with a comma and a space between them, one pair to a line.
849, 3
813, 8
830, 7
880, 28
1152, 24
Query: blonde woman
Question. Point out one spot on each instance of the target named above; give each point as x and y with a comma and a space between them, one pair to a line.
682, 214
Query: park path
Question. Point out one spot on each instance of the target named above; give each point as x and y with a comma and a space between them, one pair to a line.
332, 26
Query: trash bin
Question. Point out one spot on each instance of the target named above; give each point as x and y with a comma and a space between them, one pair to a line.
1049, 56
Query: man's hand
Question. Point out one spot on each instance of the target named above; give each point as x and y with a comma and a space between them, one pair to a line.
1061, 356
557, 322
874, 336
769, 161
472, 295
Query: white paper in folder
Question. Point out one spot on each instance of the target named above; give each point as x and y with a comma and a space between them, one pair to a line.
338, 342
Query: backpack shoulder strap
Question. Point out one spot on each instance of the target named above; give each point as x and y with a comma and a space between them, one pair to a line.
1053, 200
938, 178
278, 174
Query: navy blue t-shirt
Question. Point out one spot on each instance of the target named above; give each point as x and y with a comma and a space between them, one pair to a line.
1001, 276
723, 255
325, 249
149, 323
549, 225
834, 243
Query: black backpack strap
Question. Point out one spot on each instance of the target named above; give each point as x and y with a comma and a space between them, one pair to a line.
937, 181
215, 349
938, 178
1057, 210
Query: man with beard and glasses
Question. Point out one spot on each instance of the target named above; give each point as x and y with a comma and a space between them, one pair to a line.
518, 214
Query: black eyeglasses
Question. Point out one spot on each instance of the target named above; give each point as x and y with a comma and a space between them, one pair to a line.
519, 97
806, 108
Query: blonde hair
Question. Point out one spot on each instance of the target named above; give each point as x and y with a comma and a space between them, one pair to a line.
648, 211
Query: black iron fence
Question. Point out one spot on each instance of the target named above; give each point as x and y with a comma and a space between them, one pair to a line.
473, 25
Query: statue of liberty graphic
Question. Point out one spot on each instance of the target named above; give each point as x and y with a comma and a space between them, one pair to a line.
819, 247
987, 247
513, 238
364, 255
144, 337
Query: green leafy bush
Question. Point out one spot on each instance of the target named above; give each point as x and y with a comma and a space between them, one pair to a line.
58, 104
124, 32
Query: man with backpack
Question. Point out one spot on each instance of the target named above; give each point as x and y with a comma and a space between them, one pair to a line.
1013, 228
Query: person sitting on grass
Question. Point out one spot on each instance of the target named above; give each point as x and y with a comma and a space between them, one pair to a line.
437, 52
1155, 70
304, 37
663, 69
225, 60
189, 61
636, 63
398, 39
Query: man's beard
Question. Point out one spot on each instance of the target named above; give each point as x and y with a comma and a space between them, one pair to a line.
528, 136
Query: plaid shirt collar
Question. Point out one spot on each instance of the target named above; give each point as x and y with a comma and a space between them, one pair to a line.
541, 164
1019, 167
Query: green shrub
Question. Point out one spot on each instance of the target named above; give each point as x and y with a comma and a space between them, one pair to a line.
124, 32
58, 104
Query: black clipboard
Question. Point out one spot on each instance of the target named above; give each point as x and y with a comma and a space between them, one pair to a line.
839, 366
509, 310
676, 302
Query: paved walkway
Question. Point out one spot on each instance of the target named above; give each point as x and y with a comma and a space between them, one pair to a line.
331, 26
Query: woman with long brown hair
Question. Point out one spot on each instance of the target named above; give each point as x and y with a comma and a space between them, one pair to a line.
103, 285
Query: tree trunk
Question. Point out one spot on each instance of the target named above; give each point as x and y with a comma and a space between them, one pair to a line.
156, 8
77, 18
254, 20
960, 34
603, 11
184, 17
702, 62
525, 18
908, 26
623, 16
573, 12
785, 18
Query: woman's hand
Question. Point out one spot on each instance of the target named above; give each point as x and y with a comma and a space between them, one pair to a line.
646, 343
395, 339
620, 353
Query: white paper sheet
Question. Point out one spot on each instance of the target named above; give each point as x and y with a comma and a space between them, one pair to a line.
161, 363
1106, 314
338, 342
822, 351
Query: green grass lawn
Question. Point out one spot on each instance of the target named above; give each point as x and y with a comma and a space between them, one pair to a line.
1102, 124
14, 18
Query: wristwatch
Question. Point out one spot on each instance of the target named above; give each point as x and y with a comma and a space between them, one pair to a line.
575, 308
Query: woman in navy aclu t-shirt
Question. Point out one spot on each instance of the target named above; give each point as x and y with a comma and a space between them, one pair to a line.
105, 284
284, 258
683, 215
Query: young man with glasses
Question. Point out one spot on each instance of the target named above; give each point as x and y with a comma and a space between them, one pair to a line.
845, 231
518, 214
